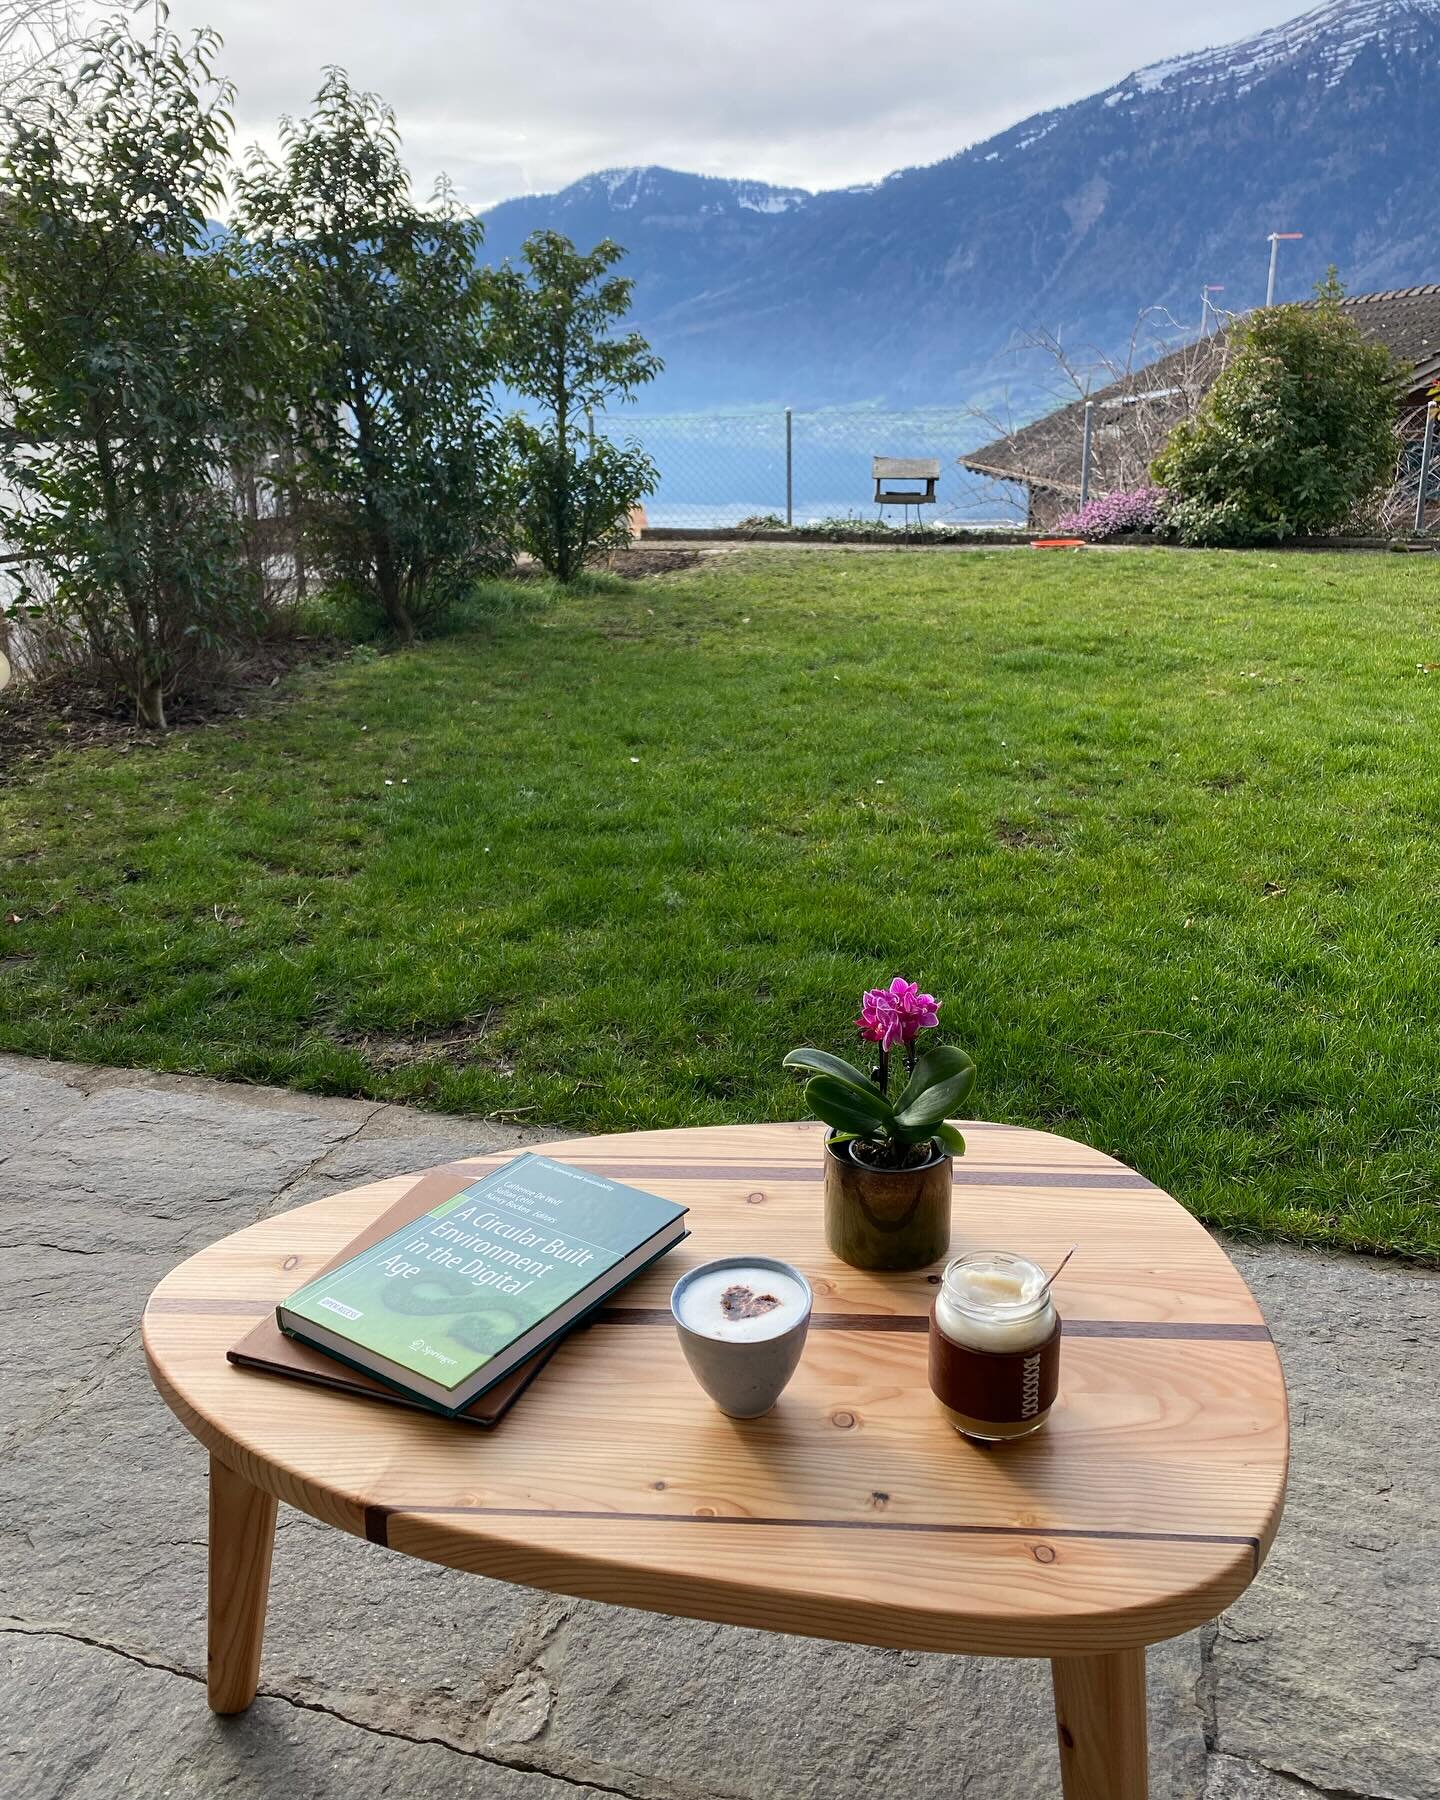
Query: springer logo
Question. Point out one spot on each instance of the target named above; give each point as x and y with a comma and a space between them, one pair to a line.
345, 1312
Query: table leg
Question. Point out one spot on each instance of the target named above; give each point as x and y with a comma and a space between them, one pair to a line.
242, 1535
1100, 1716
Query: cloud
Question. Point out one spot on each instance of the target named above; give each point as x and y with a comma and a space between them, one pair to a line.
529, 95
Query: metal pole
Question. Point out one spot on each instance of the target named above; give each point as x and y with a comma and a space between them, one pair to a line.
789, 467
1085, 444
1277, 238
1425, 449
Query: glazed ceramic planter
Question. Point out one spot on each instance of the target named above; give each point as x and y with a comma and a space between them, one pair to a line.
887, 1218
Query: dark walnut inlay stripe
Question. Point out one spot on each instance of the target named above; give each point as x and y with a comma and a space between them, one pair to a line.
916, 1323
751, 1175
920, 1323
1038, 1534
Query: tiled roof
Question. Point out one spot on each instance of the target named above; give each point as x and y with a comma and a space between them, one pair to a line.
1407, 319
1046, 454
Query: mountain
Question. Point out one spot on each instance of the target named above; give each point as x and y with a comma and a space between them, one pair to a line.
914, 290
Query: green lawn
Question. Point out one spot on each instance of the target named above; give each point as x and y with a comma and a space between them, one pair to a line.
1159, 828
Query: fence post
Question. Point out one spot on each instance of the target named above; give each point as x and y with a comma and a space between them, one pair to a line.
1427, 445
1085, 445
789, 467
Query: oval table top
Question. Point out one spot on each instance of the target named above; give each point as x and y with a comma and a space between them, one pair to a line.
853, 1511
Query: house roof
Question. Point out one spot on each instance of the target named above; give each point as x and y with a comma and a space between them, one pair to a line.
1046, 454
1407, 319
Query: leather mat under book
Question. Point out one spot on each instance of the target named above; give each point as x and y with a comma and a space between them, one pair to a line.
267, 1348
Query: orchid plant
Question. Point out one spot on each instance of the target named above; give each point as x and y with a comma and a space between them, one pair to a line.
898, 1133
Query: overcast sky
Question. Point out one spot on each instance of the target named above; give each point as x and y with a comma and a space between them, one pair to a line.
527, 95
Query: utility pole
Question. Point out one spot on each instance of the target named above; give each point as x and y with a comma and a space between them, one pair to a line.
1426, 451
1086, 442
1206, 308
1277, 238
789, 466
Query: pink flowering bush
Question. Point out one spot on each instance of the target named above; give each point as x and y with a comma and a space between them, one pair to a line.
913, 1127
1116, 515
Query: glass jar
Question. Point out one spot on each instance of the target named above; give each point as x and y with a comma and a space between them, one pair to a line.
994, 1346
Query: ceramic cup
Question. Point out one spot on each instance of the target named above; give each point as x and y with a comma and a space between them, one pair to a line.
743, 1374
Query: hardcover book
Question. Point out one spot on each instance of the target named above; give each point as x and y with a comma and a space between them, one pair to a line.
266, 1349
451, 1303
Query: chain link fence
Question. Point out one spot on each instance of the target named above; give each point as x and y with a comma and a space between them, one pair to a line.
719, 469
801, 468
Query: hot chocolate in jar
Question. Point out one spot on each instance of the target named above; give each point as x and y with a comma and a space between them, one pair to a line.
995, 1346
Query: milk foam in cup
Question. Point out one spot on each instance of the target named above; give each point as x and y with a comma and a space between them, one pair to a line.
742, 1323
743, 1302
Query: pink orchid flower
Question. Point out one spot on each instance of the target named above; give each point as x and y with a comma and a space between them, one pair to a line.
897, 1014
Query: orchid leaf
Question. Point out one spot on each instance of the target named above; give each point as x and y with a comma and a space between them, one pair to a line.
951, 1139
823, 1063
870, 1105
842, 1107
935, 1103
941, 1064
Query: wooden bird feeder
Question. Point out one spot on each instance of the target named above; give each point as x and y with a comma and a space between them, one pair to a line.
919, 474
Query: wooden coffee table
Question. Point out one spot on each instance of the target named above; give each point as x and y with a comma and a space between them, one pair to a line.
853, 1511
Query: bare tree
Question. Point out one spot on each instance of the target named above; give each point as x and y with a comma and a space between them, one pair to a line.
1391, 511
1140, 395
36, 37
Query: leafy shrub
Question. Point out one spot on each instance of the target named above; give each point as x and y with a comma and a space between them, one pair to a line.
1295, 434
139, 358
1116, 515
1234, 523
555, 318
403, 466
576, 496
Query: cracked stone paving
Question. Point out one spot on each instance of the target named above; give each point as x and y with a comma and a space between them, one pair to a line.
384, 1677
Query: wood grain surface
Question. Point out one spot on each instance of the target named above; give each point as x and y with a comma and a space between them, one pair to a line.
1101, 1726
242, 1537
853, 1511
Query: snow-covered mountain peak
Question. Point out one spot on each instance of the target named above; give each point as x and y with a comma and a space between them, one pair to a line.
623, 186
915, 290
651, 187
1329, 39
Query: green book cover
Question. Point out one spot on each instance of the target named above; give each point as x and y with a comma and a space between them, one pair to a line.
480, 1274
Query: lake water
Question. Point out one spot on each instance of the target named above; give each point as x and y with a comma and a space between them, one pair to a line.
717, 469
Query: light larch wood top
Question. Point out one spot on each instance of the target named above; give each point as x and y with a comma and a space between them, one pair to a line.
853, 1511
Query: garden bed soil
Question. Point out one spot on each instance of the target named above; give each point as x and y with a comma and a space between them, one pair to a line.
966, 540
899, 540
639, 561
1403, 544
71, 711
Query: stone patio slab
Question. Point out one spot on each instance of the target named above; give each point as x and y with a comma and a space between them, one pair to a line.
383, 1676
